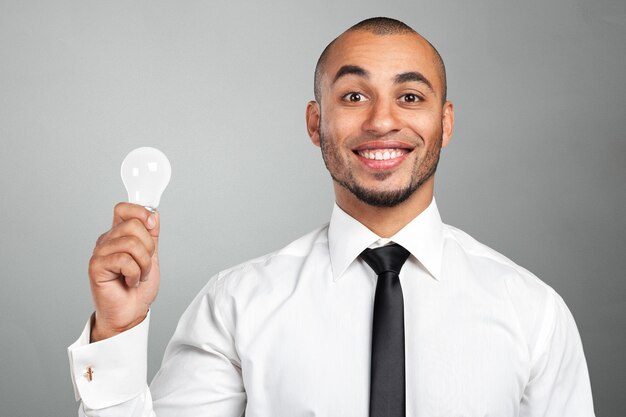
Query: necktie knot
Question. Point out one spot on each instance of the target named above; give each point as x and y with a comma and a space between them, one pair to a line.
388, 258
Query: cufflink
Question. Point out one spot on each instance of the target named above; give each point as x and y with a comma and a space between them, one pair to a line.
89, 374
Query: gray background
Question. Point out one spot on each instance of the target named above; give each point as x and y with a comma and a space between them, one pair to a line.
535, 169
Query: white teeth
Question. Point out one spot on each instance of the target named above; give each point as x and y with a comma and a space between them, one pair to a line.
382, 154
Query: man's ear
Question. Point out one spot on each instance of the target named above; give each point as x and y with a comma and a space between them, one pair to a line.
447, 122
313, 121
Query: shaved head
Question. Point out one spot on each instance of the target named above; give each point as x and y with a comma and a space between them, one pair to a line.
380, 26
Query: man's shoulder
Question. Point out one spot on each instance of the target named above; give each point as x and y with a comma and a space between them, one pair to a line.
496, 268
289, 256
503, 281
257, 284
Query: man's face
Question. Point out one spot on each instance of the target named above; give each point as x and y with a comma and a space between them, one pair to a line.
381, 123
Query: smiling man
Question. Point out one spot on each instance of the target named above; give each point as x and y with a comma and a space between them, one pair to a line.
384, 312
381, 118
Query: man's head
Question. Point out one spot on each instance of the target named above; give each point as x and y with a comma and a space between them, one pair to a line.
378, 26
380, 115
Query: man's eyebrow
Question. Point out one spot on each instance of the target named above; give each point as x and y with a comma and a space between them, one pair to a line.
351, 69
413, 76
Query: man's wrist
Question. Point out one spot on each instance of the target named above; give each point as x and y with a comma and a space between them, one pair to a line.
97, 333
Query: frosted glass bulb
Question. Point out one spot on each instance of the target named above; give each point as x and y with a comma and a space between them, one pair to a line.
146, 172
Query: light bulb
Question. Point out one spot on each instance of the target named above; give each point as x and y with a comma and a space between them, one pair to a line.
146, 172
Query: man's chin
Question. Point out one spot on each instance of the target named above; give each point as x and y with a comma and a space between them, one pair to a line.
381, 198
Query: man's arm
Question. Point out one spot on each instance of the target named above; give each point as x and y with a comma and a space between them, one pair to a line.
200, 374
201, 370
559, 381
124, 277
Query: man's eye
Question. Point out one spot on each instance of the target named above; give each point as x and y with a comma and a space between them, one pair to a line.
354, 97
411, 98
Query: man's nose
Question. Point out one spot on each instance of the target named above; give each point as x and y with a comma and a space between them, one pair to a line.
381, 118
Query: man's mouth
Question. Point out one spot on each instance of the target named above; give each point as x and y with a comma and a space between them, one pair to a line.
382, 154
379, 155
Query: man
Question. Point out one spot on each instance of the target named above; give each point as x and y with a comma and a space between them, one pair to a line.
386, 311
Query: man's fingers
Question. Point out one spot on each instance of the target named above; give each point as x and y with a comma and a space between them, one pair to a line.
132, 227
132, 246
129, 248
126, 211
101, 238
117, 264
156, 230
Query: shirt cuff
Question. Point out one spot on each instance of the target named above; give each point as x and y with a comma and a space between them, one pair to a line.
110, 371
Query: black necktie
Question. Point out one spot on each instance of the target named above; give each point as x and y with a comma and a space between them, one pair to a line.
387, 389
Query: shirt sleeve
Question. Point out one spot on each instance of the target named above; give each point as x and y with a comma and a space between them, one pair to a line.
559, 380
109, 376
201, 370
200, 373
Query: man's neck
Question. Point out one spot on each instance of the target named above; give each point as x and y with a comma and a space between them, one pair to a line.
386, 221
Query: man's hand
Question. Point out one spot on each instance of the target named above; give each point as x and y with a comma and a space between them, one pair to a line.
124, 271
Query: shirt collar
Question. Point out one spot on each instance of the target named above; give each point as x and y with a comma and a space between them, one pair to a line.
423, 237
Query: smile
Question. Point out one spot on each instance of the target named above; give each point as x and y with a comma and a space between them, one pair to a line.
381, 154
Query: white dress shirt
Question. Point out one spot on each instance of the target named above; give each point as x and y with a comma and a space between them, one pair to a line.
289, 334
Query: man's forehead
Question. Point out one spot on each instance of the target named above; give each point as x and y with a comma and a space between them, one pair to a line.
357, 47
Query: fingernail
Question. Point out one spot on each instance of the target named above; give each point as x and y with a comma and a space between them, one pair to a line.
151, 221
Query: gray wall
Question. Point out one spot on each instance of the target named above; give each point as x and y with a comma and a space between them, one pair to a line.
536, 167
